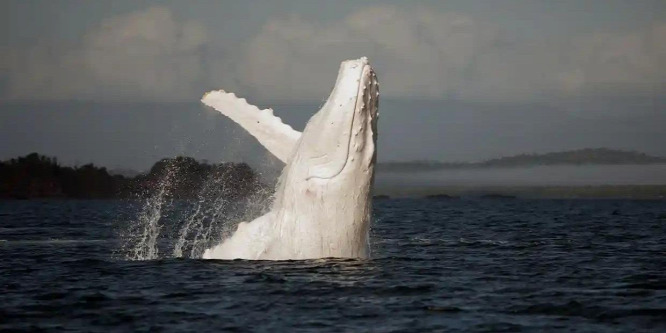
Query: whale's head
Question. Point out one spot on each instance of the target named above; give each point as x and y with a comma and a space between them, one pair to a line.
325, 190
339, 142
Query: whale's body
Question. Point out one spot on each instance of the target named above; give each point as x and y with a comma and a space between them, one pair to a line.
322, 205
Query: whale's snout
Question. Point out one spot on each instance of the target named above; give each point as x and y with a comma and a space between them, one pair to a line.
344, 121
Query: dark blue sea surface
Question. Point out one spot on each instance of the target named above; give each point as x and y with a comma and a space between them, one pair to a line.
477, 265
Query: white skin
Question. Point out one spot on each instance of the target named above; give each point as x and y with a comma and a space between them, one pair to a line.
323, 203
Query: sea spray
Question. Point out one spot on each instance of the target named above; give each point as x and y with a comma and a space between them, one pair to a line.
170, 227
147, 225
212, 202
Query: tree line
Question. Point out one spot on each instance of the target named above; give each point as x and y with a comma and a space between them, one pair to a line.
38, 176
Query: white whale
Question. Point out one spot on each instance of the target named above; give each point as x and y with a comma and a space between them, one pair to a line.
322, 205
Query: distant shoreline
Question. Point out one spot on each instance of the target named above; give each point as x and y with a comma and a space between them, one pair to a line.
37, 177
580, 157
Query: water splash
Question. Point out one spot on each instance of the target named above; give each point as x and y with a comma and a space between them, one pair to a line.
165, 227
204, 219
141, 239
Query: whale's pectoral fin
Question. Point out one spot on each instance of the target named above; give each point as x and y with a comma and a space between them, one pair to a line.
279, 138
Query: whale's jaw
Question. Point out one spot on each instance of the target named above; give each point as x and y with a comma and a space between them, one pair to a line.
322, 205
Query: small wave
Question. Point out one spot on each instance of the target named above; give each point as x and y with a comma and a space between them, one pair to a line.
264, 278
571, 308
575, 308
482, 241
52, 241
648, 285
449, 309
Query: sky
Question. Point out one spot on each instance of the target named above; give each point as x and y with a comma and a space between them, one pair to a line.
118, 83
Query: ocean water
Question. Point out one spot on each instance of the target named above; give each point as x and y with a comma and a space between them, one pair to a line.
477, 265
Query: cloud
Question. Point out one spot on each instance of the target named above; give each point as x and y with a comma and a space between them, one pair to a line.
424, 53
147, 54
419, 52
634, 61
42, 72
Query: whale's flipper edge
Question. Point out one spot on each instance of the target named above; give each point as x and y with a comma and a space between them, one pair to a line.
279, 138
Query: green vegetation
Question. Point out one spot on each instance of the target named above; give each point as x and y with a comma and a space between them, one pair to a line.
589, 156
38, 176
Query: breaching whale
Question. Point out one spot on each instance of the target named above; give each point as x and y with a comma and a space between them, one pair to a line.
322, 205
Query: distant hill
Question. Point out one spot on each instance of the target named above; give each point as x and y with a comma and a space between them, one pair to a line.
577, 157
588, 156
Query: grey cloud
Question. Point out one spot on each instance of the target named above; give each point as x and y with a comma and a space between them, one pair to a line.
424, 53
148, 54
419, 53
634, 61
44, 72
152, 54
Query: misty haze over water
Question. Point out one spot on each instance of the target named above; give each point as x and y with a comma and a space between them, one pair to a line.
564, 175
